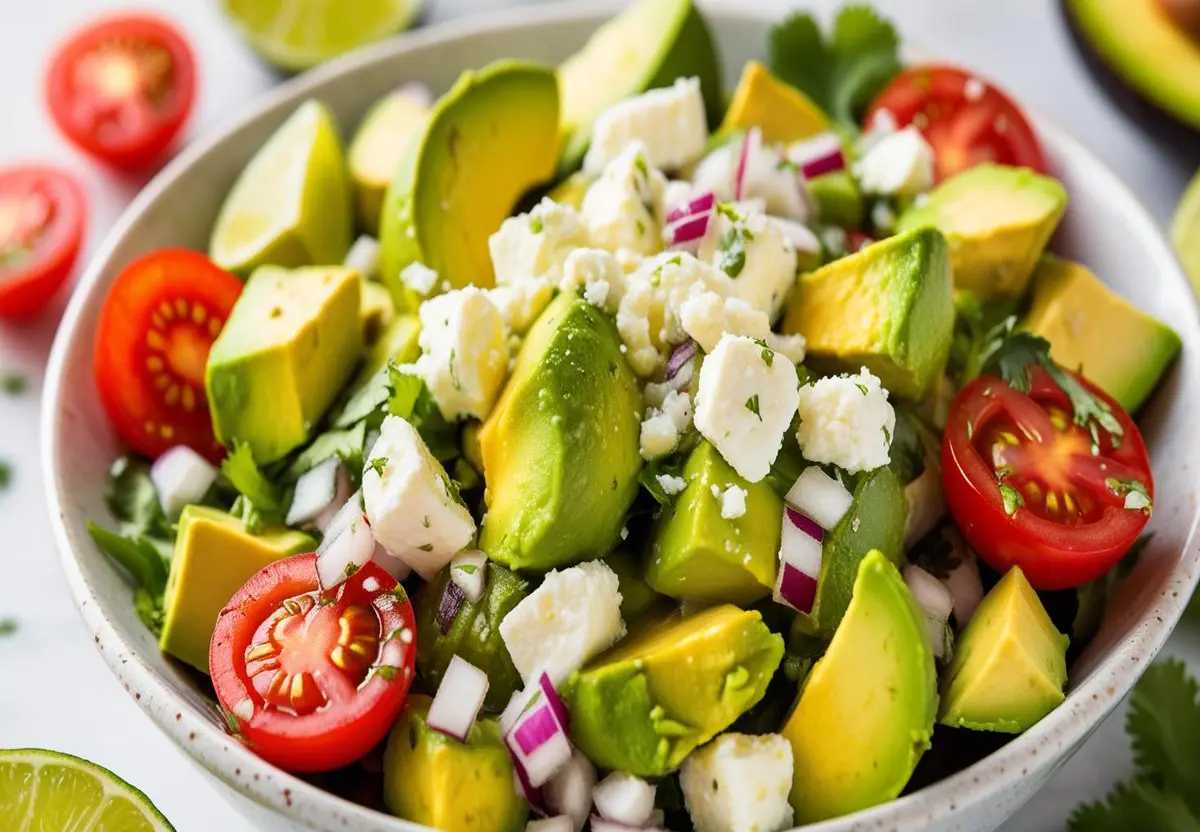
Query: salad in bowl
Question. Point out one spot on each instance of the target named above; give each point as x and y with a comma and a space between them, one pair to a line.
629, 455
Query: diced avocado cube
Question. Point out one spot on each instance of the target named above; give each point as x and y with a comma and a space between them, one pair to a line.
214, 555
783, 113
998, 220
697, 553
1097, 332
1010, 663
291, 342
378, 147
888, 307
638, 600
838, 199
377, 309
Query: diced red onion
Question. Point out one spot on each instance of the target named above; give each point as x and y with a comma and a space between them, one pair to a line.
531, 733
688, 232
624, 799
342, 554
557, 705
680, 355
459, 698
181, 477
930, 593
700, 204
750, 145
468, 569
449, 606
316, 490
533, 795
800, 554
818, 155
558, 823
508, 717
794, 588
570, 791
965, 585
538, 741
857, 241
391, 564
806, 524
363, 256
817, 495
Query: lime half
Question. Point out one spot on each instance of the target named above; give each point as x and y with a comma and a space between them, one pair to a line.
46, 790
297, 34
1185, 231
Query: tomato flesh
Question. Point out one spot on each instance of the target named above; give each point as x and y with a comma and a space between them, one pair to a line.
41, 230
1029, 487
314, 679
156, 328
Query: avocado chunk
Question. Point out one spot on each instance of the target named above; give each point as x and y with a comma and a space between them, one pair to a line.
649, 45
490, 139
889, 308
838, 199
377, 309
1094, 330
875, 520
998, 220
560, 448
854, 747
646, 704
1009, 665
474, 634
638, 600
699, 554
214, 555
378, 148
291, 342
435, 780
779, 110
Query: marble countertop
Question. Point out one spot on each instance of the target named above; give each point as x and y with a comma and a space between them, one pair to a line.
55, 691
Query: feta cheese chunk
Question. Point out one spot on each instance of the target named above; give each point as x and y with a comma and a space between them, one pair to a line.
409, 503
574, 615
733, 502
663, 426
648, 318
519, 304
598, 275
739, 783
419, 277
898, 164
671, 484
670, 121
755, 260
535, 245
708, 317
625, 799
464, 352
622, 209
846, 421
745, 403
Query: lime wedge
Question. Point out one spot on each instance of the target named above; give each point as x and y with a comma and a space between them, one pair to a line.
291, 205
297, 34
1185, 231
46, 790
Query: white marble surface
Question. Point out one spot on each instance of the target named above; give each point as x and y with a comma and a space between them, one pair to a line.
54, 690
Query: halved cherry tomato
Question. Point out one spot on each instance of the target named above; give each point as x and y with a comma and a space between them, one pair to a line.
121, 88
156, 327
965, 119
1029, 487
41, 228
315, 679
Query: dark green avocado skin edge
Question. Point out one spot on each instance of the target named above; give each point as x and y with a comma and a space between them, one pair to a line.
1150, 119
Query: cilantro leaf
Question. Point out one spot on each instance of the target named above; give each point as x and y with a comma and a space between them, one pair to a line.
149, 609
797, 53
1012, 499
240, 470
731, 252
752, 406
1135, 805
1164, 725
133, 499
378, 464
347, 445
411, 401
651, 471
137, 554
5, 474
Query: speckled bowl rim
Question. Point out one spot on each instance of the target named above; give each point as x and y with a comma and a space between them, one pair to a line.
299, 801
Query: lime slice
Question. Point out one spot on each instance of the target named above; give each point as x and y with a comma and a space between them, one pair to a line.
46, 790
291, 205
297, 34
1185, 231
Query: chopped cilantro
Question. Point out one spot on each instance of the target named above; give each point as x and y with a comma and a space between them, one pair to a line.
1134, 491
8, 626
731, 252
454, 370
752, 406
639, 163
887, 434
467, 568
641, 226
536, 226
1012, 499
378, 464
386, 672
5, 474
14, 384
243, 474
862, 388
351, 568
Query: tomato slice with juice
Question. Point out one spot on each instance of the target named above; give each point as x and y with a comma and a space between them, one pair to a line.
1029, 487
314, 679
41, 229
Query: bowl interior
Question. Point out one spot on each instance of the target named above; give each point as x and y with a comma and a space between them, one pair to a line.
1104, 227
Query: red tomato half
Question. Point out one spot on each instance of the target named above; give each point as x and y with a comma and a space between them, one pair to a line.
41, 228
121, 88
157, 325
966, 120
1069, 523
314, 679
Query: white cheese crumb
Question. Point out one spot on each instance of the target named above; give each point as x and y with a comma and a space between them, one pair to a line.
739, 783
419, 277
671, 484
846, 421
662, 427
900, 163
733, 502
670, 121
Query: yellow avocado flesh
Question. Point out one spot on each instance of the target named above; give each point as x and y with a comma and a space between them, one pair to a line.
289, 346
433, 779
1009, 665
865, 713
377, 309
998, 220
378, 148
572, 190
699, 554
779, 110
560, 449
490, 139
1147, 50
888, 307
667, 689
1095, 331
214, 555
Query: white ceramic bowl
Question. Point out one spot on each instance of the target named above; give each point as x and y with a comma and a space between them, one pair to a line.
1104, 227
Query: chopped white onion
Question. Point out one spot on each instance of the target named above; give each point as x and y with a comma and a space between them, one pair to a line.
964, 583
799, 235
342, 554
926, 502
391, 564
570, 791
820, 496
342, 493
800, 553
818, 155
624, 798
315, 491
533, 795
538, 740
941, 637
558, 823
347, 510
468, 569
363, 256
930, 593
750, 146
508, 717
181, 477
459, 698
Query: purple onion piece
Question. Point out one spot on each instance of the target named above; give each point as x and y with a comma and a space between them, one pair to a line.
688, 230
797, 589
701, 204
534, 797
825, 163
449, 606
680, 355
753, 137
806, 524
556, 704
535, 729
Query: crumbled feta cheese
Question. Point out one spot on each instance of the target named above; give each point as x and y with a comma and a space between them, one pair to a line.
648, 316
671, 484
413, 511
622, 208
662, 427
598, 274
464, 352
625, 799
670, 121
733, 502
846, 421
535, 245
739, 783
708, 317
520, 303
793, 346
753, 258
745, 403
899, 163
574, 615
419, 277
769, 180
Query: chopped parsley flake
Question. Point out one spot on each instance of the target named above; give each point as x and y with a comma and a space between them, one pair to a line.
536, 226
731, 252
8, 626
467, 568
1012, 499
639, 162
752, 406
1137, 498
862, 388
351, 568
641, 227
387, 672
5, 474
378, 464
